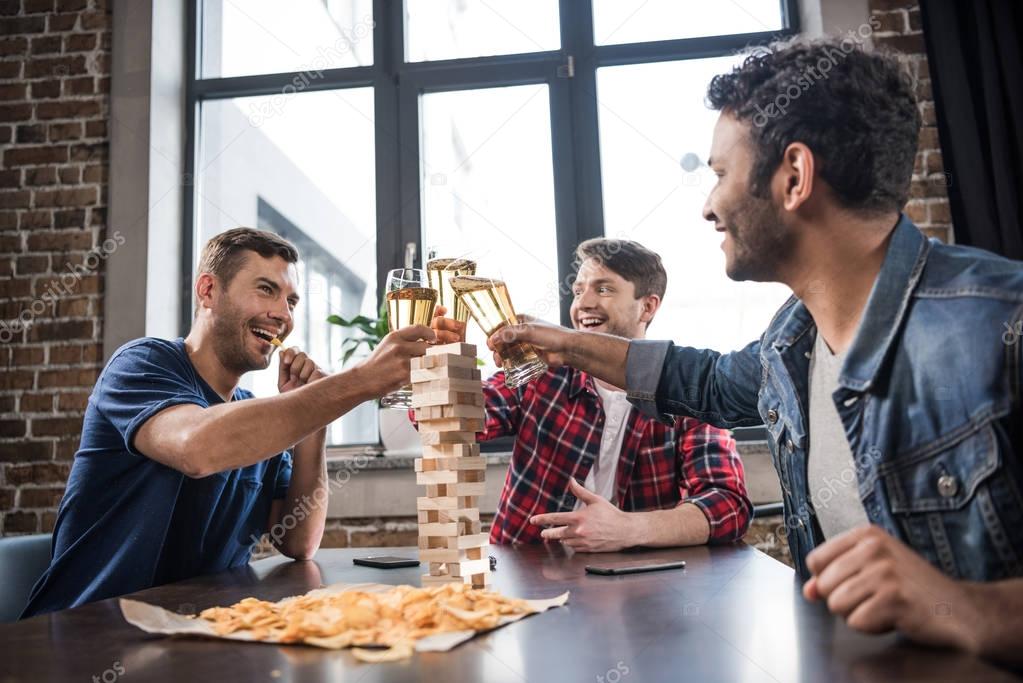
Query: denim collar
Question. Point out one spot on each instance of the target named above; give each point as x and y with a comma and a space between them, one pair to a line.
886, 307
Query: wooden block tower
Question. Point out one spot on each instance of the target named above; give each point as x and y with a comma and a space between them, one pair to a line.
447, 395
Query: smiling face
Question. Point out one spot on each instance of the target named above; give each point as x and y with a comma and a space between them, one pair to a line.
256, 305
604, 301
756, 240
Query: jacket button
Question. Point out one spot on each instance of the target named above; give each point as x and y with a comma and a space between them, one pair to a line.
948, 485
772, 415
791, 446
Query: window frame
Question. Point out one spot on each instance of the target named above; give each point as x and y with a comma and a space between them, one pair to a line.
569, 72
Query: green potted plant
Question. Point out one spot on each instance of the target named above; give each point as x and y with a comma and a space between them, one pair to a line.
397, 434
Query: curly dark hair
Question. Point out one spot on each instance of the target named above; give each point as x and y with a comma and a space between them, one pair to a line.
854, 109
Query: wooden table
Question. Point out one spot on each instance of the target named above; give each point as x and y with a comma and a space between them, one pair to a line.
734, 614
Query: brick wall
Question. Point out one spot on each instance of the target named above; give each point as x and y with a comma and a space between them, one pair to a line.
54, 92
900, 29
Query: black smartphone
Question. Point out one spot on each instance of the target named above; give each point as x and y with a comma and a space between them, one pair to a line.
634, 567
386, 562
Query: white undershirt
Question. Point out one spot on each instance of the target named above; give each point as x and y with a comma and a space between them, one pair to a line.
601, 478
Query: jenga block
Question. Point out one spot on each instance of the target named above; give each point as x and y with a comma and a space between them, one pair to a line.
449, 384
466, 541
437, 477
463, 515
469, 567
456, 349
441, 555
446, 411
475, 463
430, 580
462, 489
447, 360
433, 438
439, 503
440, 529
451, 424
480, 580
451, 450
445, 372
426, 516
443, 398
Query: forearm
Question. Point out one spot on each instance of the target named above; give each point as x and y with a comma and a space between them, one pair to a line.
600, 355
682, 525
992, 625
240, 433
306, 499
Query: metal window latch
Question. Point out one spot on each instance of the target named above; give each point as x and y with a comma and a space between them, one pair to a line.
567, 70
410, 254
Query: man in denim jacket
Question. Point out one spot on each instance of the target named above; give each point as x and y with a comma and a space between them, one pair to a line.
890, 380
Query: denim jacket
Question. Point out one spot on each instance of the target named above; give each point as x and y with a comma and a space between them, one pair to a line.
929, 395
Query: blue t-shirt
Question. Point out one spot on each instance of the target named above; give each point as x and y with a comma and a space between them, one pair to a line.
128, 522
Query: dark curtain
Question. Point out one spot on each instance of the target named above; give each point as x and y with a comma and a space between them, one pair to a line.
973, 49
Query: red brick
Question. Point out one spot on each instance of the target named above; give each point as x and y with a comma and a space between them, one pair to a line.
82, 196
66, 449
334, 538
45, 45
89, 152
7, 498
8, 220
11, 92
6, 134
42, 175
62, 241
70, 175
20, 522
94, 173
33, 402
31, 133
10, 179
14, 26
906, 44
32, 264
74, 307
43, 90
37, 473
62, 22
55, 67
15, 287
7, 404
67, 378
96, 129
74, 109
65, 131
940, 212
69, 218
12, 428
71, 5
15, 199
96, 20
32, 220
80, 42
32, 156
79, 86
37, 6
13, 46
60, 330
47, 521
73, 402
26, 451
928, 138
56, 426
40, 497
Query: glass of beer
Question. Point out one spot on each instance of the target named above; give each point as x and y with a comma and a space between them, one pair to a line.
410, 301
440, 271
490, 305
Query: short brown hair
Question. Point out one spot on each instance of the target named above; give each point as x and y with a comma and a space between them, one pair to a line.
631, 260
223, 255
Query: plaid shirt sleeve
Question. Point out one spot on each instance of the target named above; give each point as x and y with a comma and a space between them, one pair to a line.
712, 479
504, 408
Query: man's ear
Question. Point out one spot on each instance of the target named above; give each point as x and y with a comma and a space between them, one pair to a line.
794, 179
651, 302
205, 287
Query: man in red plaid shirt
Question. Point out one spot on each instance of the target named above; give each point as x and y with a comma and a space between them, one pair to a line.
645, 483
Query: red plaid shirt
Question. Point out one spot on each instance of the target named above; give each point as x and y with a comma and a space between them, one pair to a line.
557, 420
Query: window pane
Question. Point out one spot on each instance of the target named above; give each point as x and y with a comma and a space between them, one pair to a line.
639, 21
450, 29
245, 37
644, 134
301, 166
488, 191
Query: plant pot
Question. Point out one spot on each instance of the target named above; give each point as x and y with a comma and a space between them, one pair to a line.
397, 433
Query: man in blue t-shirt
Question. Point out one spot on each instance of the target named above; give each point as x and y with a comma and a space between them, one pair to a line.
178, 469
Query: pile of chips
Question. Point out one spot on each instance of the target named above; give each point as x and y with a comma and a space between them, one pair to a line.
393, 619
